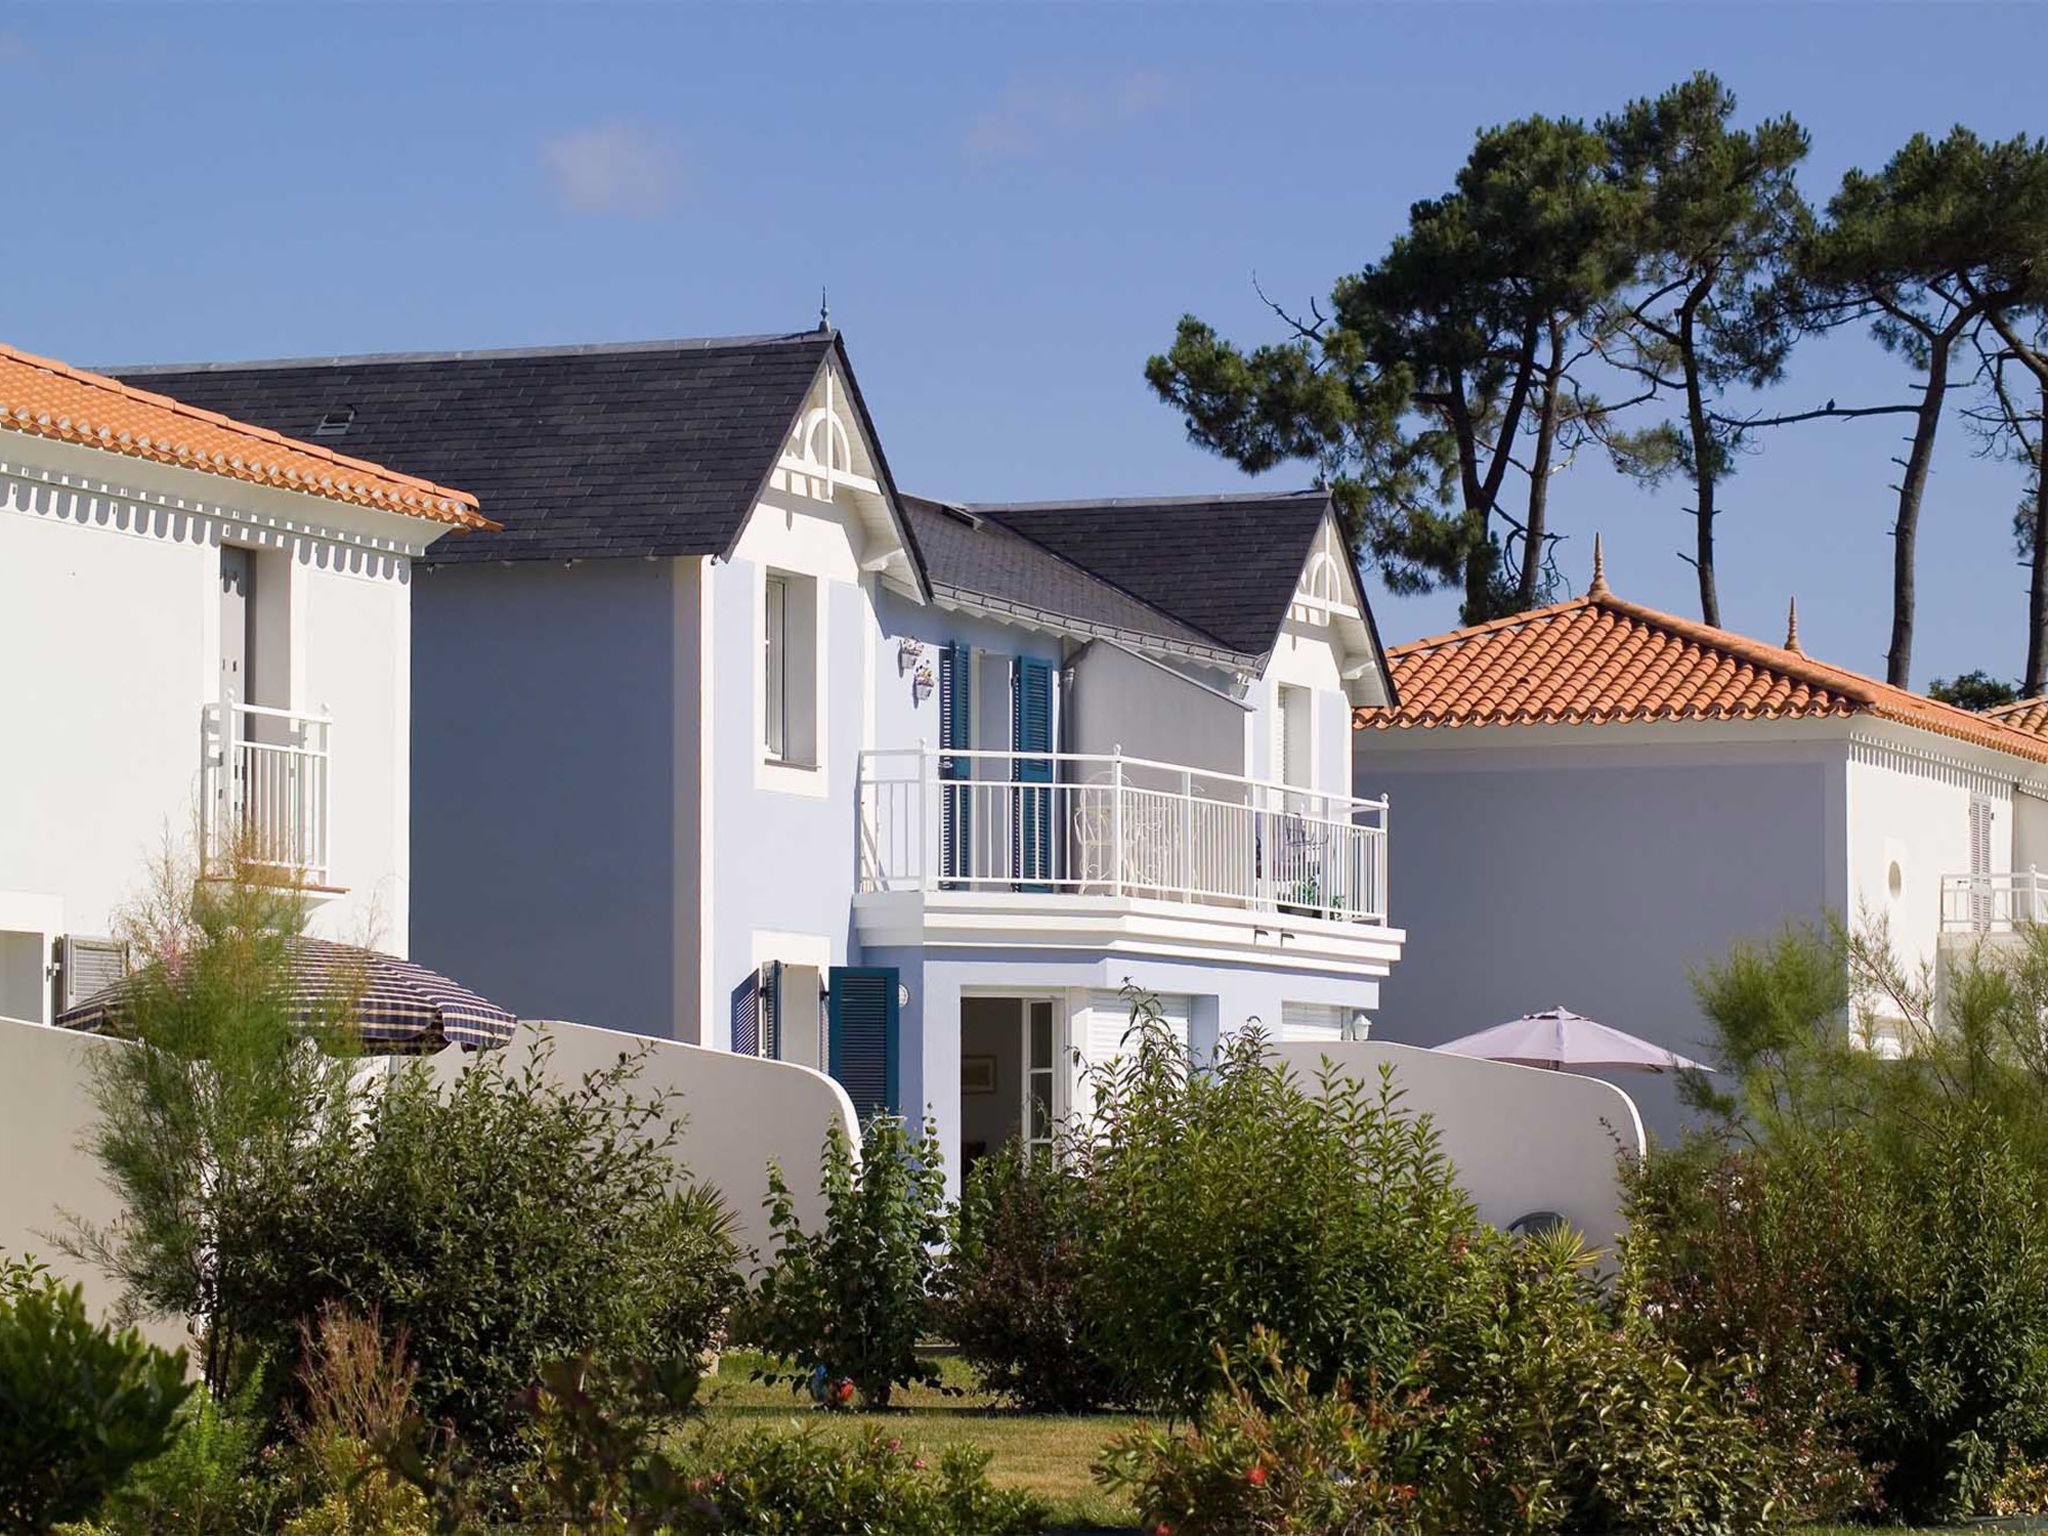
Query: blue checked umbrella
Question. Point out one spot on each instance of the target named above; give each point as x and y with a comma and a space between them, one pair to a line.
399, 1006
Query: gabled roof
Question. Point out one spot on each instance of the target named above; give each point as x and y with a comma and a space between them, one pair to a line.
1598, 660
51, 399
642, 449
2029, 715
969, 556
1226, 565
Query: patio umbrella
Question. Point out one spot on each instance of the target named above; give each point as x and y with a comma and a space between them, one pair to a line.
399, 1006
1565, 1041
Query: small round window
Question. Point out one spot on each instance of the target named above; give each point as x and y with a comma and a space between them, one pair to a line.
1894, 880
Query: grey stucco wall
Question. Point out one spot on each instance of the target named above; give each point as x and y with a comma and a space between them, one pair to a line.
544, 786
1595, 884
1122, 700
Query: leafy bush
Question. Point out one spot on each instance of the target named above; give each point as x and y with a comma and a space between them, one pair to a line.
848, 1302
356, 1388
1869, 1235
216, 1479
1014, 1283
808, 1483
503, 1224
1268, 1456
1231, 1199
1563, 1410
80, 1405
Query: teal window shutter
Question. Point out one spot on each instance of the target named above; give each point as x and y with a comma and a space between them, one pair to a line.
862, 1025
1031, 827
956, 735
757, 1013
746, 1016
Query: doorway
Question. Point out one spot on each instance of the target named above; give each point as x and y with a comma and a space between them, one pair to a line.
1008, 1051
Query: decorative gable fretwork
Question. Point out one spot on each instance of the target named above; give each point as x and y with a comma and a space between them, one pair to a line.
820, 455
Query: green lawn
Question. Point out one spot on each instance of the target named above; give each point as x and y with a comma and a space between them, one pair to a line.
1048, 1454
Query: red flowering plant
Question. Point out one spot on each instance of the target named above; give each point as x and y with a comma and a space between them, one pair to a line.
1269, 1456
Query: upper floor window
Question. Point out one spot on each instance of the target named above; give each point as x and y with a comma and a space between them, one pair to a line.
789, 669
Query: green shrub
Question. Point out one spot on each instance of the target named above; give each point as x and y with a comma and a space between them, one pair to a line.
1867, 1237
1563, 1410
356, 1388
807, 1483
503, 1224
1268, 1456
217, 1478
1013, 1285
80, 1405
848, 1302
1231, 1199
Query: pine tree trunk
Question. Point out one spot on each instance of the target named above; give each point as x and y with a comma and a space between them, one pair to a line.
1706, 460
1539, 476
2037, 587
1898, 665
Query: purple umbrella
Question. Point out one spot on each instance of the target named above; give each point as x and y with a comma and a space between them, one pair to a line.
1565, 1041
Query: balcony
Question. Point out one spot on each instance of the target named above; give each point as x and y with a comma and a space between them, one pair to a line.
1020, 847
263, 791
1993, 904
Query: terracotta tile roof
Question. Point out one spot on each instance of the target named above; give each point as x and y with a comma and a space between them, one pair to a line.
1598, 660
49, 399
2029, 715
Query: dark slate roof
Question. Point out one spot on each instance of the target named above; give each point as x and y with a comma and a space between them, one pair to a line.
646, 448
967, 552
1227, 565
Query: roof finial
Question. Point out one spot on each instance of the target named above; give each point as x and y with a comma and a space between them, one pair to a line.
824, 311
1599, 586
1792, 627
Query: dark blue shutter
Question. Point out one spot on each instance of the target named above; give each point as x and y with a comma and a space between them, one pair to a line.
862, 1024
746, 1016
771, 1009
956, 734
1031, 830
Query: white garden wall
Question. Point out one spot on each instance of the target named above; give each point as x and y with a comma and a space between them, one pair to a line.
1522, 1140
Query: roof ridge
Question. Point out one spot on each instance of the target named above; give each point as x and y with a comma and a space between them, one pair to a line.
1135, 503
1491, 626
117, 388
478, 354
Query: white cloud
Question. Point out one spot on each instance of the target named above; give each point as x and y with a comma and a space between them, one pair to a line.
1030, 116
612, 168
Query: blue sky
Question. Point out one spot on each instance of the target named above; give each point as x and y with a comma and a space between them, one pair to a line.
1010, 204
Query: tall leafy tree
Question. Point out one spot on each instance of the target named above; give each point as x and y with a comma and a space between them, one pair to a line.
1720, 215
1949, 234
2011, 421
1413, 390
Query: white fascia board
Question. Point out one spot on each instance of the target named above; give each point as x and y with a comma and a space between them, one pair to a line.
1125, 925
1946, 751
195, 493
1510, 744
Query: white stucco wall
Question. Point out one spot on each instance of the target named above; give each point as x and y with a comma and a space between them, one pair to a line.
110, 611
1522, 1140
1531, 872
1122, 700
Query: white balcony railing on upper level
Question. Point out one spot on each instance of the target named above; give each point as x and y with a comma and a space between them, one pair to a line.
1078, 824
264, 795
1993, 903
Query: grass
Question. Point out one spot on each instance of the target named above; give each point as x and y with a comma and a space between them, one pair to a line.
1049, 1454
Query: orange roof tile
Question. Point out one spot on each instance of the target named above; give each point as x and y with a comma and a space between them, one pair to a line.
1598, 660
49, 399
2029, 715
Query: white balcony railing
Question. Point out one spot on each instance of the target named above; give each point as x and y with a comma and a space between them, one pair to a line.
1063, 822
1993, 903
264, 795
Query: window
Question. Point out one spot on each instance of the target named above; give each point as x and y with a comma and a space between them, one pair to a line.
789, 669
1039, 1108
775, 709
1291, 763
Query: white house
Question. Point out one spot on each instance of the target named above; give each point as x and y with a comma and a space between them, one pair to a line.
1596, 797
722, 738
208, 638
